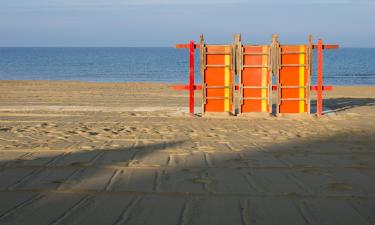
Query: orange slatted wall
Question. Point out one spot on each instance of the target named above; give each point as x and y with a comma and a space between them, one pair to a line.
255, 79
293, 97
218, 79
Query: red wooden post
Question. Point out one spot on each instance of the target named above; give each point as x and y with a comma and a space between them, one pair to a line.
319, 97
191, 84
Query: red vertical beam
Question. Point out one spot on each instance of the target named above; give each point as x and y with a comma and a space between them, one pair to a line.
319, 97
191, 84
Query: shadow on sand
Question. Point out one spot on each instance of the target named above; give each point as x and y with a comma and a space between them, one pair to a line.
342, 104
304, 181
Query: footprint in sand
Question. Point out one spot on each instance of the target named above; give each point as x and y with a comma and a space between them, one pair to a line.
81, 164
339, 186
201, 181
192, 170
313, 171
20, 160
58, 181
133, 162
42, 125
20, 130
116, 147
5, 129
132, 128
84, 128
86, 147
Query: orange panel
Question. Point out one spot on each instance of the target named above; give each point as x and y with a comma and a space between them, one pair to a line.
293, 99
255, 81
218, 79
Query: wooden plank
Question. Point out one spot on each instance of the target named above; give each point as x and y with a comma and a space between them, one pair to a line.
185, 87
333, 46
185, 46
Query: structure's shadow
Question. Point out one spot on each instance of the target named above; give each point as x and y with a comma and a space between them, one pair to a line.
337, 104
342, 104
303, 181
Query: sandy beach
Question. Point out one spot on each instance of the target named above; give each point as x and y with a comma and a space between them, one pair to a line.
129, 153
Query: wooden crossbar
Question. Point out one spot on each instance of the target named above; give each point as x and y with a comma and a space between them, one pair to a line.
179, 46
186, 87
327, 46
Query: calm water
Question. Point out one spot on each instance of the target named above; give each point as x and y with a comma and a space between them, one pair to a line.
348, 66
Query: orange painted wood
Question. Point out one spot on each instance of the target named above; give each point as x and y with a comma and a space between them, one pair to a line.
253, 77
215, 76
290, 76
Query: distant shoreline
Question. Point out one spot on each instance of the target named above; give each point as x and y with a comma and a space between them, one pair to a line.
172, 46
145, 82
345, 66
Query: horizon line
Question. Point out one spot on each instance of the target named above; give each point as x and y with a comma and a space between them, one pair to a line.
132, 46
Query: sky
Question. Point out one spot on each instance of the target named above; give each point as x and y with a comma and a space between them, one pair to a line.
135, 23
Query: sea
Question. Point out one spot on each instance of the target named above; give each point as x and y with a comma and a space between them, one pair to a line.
345, 66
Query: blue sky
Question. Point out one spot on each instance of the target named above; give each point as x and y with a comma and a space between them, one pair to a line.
166, 22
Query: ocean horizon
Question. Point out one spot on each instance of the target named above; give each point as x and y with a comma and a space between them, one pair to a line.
345, 66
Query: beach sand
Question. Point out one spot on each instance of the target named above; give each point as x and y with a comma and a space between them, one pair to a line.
129, 153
